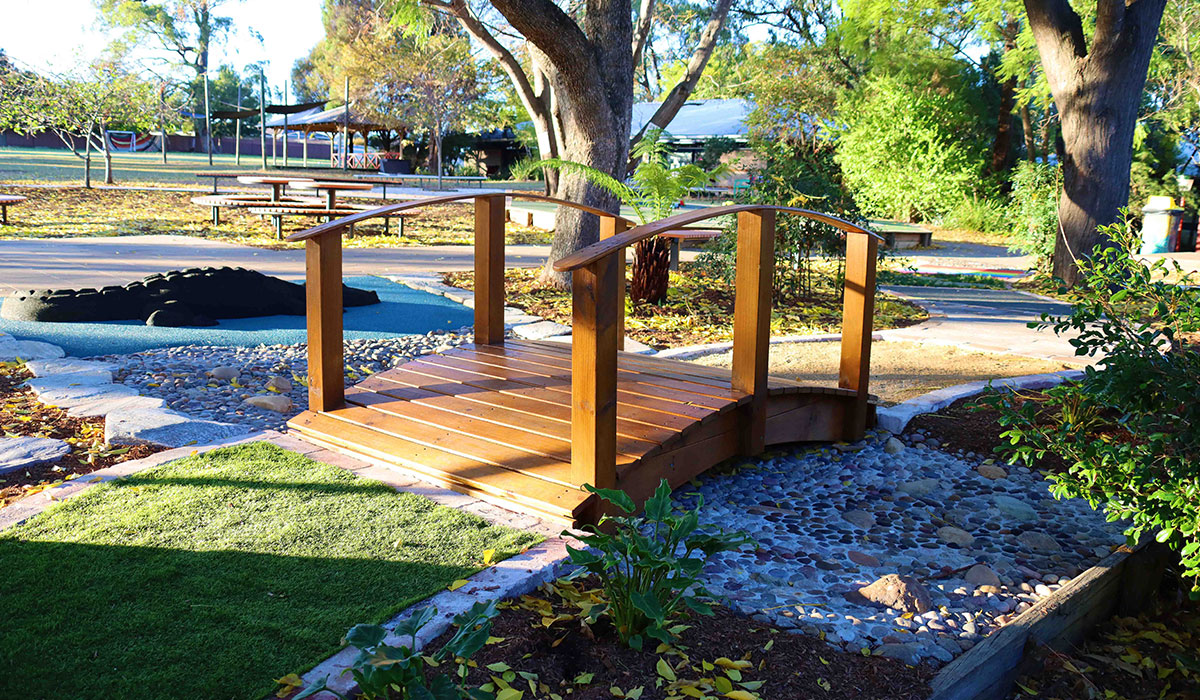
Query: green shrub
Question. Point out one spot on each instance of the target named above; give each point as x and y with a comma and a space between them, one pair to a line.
648, 565
1034, 210
795, 177
982, 214
910, 150
1128, 430
384, 671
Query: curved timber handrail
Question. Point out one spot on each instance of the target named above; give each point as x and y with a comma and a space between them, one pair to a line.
387, 209
607, 246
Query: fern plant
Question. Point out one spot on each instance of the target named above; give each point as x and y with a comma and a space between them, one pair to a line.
653, 192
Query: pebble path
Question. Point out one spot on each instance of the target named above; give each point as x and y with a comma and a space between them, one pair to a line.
181, 375
832, 520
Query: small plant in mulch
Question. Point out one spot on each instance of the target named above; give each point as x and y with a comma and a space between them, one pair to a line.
699, 308
22, 415
649, 565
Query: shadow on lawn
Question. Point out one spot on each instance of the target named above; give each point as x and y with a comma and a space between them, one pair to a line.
90, 621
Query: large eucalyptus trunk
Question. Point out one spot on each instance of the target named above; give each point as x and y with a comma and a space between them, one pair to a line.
1097, 87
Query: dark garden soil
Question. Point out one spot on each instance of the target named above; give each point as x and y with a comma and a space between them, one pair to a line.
547, 651
22, 415
1154, 655
971, 426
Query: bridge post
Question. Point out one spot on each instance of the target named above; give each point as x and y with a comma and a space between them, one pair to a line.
323, 298
609, 227
858, 314
489, 269
594, 374
752, 320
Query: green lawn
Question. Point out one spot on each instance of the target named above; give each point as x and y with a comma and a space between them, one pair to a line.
211, 576
60, 165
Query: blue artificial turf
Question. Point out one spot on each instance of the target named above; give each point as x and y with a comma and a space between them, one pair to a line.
402, 311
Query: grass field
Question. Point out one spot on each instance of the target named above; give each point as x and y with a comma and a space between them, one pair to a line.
211, 576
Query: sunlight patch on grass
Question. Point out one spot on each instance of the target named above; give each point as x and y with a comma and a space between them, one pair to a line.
212, 575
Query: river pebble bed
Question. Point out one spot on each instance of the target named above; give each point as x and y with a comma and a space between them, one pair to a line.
981, 542
224, 383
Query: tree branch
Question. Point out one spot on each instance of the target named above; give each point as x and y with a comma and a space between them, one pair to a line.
641, 31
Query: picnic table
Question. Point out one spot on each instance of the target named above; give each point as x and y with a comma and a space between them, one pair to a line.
278, 184
7, 200
332, 187
277, 212
245, 201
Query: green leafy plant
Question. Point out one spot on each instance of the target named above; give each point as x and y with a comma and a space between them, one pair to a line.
649, 565
1035, 191
385, 671
1127, 430
795, 176
653, 192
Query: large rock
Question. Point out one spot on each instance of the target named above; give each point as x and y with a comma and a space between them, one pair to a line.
899, 593
991, 471
920, 487
82, 378
980, 575
860, 518
70, 396
29, 350
893, 446
68, 365
22, 452
954, 535
274, 402
279, 384
1039, 542
904, 653
224, 373
106, 404
159, 426
1015, 509
540, 330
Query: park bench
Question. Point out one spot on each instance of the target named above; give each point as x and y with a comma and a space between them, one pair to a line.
6, 201
679, 235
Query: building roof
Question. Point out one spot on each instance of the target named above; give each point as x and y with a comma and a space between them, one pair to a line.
699, 120
317, 119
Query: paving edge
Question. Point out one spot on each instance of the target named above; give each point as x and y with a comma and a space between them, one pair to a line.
509, 578
691, 352
895, 418
29, 506
1122, 582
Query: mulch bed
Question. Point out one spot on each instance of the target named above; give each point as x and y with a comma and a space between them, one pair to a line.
22, 415
571, 659
1153, 655
971, 426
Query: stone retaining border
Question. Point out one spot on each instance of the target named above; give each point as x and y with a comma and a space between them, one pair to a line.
895, 418
1122, 583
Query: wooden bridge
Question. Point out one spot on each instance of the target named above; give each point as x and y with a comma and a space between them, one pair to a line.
527, 423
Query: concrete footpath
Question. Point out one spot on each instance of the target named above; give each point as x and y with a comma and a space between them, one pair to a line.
95, 262
988, 320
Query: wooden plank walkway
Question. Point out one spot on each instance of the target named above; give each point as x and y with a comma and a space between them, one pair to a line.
495, 421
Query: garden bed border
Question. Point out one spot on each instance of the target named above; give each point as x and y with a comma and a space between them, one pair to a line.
1121, 583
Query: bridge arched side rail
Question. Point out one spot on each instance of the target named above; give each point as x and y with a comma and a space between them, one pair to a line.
323, 274
595, 271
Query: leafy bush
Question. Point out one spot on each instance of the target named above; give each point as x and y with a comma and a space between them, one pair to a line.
1128, 428
1035, 192
648, 566
793, 177
982, 214
385, 671
910, 150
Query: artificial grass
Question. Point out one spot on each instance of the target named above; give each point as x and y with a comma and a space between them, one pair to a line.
210, 576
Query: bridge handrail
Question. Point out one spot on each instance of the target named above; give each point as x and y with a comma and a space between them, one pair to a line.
594, 252
347, 221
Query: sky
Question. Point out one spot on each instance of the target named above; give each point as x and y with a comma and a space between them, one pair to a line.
57, 35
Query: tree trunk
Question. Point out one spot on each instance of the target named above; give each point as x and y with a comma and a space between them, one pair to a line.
1002, 142
590, 75
1097, 87
1027, 133
87, 161
108, 172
